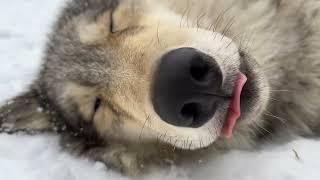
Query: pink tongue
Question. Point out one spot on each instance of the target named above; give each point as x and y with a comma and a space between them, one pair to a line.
234, 108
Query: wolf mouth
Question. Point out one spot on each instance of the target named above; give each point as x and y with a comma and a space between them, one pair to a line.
250, 93
234, 110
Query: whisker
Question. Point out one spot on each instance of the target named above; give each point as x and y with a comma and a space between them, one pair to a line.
144, 125
266, 134
227, 27
257, 128
212, 27
245, 41
220, 16
236, 38
261, 127
250, 40
277, 100
184, 13
280, 90
188, 15
199, 20
229, 57
229, 44
277, 117
158, 36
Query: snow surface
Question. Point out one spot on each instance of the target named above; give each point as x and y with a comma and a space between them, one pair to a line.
23, 26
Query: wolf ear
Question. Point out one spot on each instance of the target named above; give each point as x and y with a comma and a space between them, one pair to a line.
24, 113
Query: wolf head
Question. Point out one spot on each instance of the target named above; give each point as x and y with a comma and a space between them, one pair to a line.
140, 71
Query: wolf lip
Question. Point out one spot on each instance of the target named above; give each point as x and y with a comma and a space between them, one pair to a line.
234, 111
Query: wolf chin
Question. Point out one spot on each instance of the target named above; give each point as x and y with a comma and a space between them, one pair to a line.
133, 83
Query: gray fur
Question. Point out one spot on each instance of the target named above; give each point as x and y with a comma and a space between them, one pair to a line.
283, 36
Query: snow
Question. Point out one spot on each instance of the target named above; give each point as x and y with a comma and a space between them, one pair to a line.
23, 26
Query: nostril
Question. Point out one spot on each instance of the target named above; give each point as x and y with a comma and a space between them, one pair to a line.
184, 87
190, 112
200, 70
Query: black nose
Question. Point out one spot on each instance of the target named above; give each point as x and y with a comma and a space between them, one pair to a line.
186, 88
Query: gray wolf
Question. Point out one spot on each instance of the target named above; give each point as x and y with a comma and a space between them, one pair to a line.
134, 83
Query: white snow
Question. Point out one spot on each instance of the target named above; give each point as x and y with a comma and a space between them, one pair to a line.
23, 26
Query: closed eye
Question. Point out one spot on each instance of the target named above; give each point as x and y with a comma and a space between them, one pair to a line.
112, 22
97, 104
